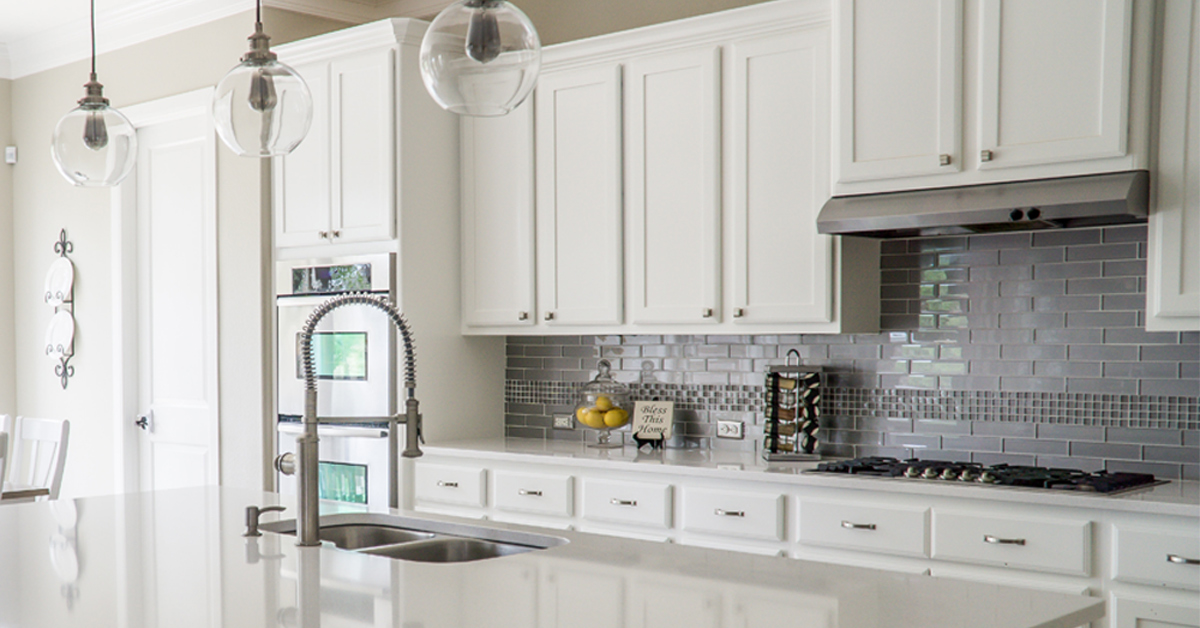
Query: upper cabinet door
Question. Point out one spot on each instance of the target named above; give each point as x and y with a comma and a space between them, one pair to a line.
363, 141
899, 91
1173, 270
497, 219
301, 178
782, 268
672, 179
1053, 81
578, 166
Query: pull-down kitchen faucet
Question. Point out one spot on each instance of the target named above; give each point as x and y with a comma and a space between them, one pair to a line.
307, 520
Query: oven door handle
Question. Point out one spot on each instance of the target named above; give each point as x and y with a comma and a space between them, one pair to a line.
294, 429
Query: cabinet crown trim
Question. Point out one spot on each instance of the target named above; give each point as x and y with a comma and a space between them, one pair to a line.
379, 34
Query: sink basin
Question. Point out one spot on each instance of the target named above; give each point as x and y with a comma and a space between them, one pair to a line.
358, 536
422, 540
449, 550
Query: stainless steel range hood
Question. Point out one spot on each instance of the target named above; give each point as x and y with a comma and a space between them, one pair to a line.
1103, 199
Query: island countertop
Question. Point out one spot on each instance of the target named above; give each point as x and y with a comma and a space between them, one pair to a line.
178, 558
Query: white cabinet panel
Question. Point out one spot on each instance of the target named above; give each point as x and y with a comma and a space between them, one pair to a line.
1129, 612
672, 175
578, 157
1173, 270
783, 270
301, 178
497, 219
541, 493
671, 603
1157, 557
1051, 545
753, 515
445, 484
894, 530
491, 585
1053, 81
362, 112
638, 503
582, 599
899, 66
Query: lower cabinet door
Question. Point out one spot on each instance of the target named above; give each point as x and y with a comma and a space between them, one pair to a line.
1131, 612
1051, 545
737, 514
575, 597
637, 503
502, 595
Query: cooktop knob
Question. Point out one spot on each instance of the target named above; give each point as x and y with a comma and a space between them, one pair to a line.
930, 473
967, 475
987, 477
949, 474
912, 472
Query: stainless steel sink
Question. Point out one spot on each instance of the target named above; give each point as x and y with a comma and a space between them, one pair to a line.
358, 536
422, 540
448, 550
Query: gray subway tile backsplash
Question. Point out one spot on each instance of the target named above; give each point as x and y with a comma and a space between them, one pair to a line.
1020, 348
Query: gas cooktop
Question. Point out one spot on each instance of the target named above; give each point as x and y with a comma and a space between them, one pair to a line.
994, 475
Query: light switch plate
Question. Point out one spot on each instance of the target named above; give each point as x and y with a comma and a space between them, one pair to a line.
10, 154
563, 422
730, 429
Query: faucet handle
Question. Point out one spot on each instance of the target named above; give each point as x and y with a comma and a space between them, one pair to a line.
252, 515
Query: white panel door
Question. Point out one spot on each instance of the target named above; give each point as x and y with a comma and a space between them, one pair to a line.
1173, 272
578, 156
301, 178
177, 303
497, 219
572, 598
1053, 81
362, 139
672, 176
899, 92
782, 269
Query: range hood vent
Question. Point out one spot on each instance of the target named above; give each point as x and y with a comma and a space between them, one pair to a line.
1087, 201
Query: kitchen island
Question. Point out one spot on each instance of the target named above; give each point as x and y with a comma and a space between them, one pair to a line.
178, 558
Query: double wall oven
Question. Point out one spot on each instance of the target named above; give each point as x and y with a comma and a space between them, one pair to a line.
354, 351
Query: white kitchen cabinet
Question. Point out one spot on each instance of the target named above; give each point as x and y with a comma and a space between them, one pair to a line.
629, 503
579, 202
1053, 81
536, 493
1173, 265
1152, 612
450, 484
672, 194
337, 186
1162, 556
780, 270
497, 584
739, 514
899, 68
498, 219
942, 93
902, 530
577, 597
1051, 545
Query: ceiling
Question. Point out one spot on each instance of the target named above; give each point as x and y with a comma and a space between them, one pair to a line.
37, 35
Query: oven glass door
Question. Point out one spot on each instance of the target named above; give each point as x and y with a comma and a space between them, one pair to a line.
354, 360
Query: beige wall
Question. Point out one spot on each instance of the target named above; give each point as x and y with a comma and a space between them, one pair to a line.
567, 20
8, 390
43, 203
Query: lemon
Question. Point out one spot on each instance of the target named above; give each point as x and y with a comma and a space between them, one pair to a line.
579, 412
604, 404
616, 417
593, 418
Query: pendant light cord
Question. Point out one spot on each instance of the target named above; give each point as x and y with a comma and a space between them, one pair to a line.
257, 11
93, 40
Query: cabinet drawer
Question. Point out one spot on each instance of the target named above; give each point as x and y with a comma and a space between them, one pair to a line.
539, 493
749, 515
872, 528
1051, 545
638, 503
463, 486
1156, 557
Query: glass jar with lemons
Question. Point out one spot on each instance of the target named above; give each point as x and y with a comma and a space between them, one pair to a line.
605, 405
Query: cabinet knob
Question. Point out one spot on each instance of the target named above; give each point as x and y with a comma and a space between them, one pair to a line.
738, 312
324, 235
522, 316
943, 160
707, 312
549, 316
985, 155
336, 233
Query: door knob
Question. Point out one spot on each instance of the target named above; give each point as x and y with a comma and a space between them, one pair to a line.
986, 155
143, 421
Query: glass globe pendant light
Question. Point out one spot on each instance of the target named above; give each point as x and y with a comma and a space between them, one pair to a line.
262, 108
480, 57
94, 145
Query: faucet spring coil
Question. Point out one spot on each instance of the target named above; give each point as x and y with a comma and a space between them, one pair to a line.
358, 298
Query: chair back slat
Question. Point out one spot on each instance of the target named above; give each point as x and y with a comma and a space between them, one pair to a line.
39, 453
3, 455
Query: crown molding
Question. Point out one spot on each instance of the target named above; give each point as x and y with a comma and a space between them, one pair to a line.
360, 11
129, 25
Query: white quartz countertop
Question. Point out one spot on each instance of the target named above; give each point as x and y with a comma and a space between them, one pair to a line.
177, 558
1177, 497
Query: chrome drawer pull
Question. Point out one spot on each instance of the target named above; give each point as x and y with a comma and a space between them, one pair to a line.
729, 513
857, 526
530, 493
1180, 560
987, 538
447, 484
623, 502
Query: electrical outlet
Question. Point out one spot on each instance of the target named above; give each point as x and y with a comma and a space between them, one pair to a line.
563, 422
729, 429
